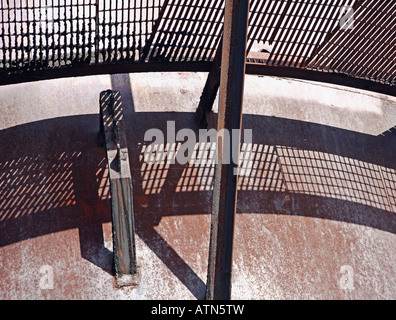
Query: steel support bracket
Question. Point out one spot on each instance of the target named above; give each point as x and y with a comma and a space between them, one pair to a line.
209, 92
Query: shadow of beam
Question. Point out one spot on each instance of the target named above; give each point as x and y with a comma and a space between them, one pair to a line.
173, 261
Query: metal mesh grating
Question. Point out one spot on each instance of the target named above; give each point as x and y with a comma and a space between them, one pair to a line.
304, 34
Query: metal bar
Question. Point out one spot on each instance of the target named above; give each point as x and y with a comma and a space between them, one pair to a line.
122, 47
59, 46
183, 38
175, 32
112, 132
251, 68
270, 20
71, 32
167, 31
280, 21
128, 37
97, 34
103, 68
41, 50
209, 92
4, 46
226, 178
83, 31
147, 46
18, 32
110, 35
78, 31
113, 46
53, 36
319, 76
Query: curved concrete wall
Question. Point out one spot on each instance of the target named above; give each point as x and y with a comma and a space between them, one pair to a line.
316, 215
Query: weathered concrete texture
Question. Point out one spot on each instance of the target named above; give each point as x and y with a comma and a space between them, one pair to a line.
316, 215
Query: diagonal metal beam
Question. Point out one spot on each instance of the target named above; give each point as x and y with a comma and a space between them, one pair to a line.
149, 42
226, 178
210, 89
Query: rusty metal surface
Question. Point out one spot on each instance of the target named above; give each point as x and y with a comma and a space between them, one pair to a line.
112, 133
232, 79
37, 37
316, 218
209, 92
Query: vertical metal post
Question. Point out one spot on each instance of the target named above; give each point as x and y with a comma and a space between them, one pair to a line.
113, 137
97, 36
226, 178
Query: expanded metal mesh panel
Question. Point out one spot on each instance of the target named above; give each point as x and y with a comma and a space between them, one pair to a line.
290, 30
46, 33
53, 33
353, 37
368, 49
187, 31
